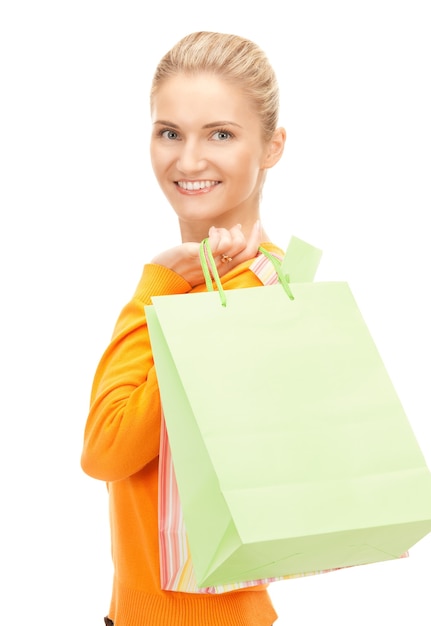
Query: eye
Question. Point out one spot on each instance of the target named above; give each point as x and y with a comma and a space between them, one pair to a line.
168, 133
222, 135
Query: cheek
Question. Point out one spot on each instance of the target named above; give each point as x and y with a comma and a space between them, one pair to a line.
246, 167
157, 160
153, 155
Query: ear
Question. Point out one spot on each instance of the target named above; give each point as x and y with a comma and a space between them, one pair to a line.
275, 148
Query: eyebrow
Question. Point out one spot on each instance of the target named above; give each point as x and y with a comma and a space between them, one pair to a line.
221, 123
165, 123
210, 125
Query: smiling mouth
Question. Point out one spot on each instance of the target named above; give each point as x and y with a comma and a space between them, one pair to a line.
196, 185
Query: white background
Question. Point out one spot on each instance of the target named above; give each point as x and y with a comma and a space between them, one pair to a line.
81, 213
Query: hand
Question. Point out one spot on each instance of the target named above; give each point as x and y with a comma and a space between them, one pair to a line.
228, 244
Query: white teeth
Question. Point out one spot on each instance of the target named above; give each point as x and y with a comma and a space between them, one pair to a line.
196, 184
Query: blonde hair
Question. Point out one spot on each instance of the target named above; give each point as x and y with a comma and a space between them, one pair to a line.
232, 58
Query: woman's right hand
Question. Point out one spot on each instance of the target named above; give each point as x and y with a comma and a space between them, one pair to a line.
231, 243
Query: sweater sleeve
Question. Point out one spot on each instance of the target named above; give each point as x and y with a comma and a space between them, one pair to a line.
123, 426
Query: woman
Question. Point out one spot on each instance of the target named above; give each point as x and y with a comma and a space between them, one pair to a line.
214, 107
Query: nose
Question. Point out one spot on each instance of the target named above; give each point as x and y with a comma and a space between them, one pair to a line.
191, 158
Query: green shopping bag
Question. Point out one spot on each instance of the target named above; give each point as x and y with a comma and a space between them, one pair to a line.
291, 449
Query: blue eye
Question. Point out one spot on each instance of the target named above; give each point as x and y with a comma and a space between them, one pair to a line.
222, 135
169, 134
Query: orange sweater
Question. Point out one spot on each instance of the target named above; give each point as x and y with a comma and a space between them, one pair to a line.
121, 446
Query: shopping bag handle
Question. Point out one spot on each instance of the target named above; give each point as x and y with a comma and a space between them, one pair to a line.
210, 272
207, 261
283, 278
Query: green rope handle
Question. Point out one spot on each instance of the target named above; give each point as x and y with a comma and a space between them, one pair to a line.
210, 272
206, 256
283, 278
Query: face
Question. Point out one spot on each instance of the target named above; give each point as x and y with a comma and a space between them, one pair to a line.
207, 152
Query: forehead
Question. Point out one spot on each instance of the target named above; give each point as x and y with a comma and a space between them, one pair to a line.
202, 94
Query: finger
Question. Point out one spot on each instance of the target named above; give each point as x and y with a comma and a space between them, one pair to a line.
230, 247
250, 247
216, 237
226, 241
238, 241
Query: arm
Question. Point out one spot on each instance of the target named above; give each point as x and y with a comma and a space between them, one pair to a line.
123, 425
